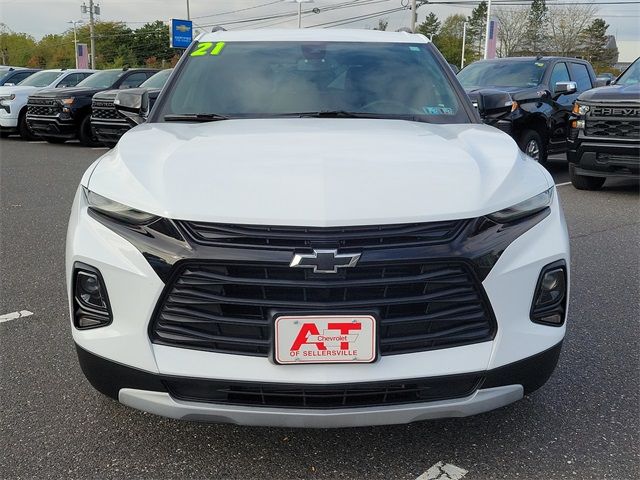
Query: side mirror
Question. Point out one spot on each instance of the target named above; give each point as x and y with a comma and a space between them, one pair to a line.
565, 88
9, 84
494, 103
133, 103
602, 81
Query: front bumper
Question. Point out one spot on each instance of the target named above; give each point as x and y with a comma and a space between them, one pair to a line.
109, 132
8, 116
148, 392
134, 288
53, 126
604, 157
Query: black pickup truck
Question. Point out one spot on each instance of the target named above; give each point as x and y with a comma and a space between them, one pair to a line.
107, 123
63, 114
543, 90
604, 138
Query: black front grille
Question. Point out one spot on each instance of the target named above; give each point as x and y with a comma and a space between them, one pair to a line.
613, 121
613, 128
334, 237
229, 308
105, 110
43, 107
324, 396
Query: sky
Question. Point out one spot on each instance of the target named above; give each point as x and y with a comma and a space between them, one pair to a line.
41, 17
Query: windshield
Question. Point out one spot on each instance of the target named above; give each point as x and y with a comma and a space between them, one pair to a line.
270, 79
502, 73
103, 79
158, 80
631, 76
40, 79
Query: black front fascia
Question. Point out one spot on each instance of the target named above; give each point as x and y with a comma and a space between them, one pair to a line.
480, 242
109, 377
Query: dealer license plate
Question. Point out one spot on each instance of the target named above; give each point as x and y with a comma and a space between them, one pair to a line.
325, 339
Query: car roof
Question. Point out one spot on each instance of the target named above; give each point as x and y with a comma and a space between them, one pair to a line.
531, 59
312, 35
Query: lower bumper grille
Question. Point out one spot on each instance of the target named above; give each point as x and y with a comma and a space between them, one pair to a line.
324, 396
230, 308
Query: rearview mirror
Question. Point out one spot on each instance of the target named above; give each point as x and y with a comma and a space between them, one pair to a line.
494, 103
133, 103
565, 88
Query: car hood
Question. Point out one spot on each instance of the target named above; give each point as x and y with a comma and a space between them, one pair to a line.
68, 92
317, 172
613, 93
110, 95
16, 89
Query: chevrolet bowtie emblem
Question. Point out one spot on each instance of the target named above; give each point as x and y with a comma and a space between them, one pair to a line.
325, 261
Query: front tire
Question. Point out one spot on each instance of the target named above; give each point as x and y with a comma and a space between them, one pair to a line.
4, 134
23, 127
584, 182
87, 139
532, 144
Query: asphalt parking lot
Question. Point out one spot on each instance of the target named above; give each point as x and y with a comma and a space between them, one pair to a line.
583, 424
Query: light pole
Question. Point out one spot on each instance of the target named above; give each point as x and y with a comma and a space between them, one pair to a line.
92, 9
188, 12
486, 32
75, 39
464, 41
300, 2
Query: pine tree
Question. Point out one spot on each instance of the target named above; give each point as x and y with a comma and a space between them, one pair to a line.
430, 26
536, 33
477, 28
594, 40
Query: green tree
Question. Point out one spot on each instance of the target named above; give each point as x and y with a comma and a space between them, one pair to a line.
477, 28
115, 44
16, 48
449, 39
535, 37
152, 41
430, 27
594, 40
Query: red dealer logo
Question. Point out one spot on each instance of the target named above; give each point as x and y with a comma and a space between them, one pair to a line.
325, 339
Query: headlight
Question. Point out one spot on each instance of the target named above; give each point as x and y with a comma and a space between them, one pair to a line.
580, 109
523, 209
118, 211
67, 101
7, 97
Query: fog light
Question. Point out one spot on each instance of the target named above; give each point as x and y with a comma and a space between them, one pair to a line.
90, 301
550, 298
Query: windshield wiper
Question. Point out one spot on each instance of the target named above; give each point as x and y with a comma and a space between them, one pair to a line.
348, 114
195, 117
334, 114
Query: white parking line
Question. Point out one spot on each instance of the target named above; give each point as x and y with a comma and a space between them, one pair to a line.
38, 141
562, 184
13, 315
442, 471
99, 148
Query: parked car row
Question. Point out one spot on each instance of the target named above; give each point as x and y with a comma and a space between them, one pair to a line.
56, 105
556, 109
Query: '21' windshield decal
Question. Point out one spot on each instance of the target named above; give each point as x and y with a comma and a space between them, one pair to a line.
204, 48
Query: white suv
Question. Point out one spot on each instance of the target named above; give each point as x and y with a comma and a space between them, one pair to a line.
13, 99
313, 228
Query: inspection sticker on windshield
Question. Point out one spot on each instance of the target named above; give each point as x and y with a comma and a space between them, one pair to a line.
325, 339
